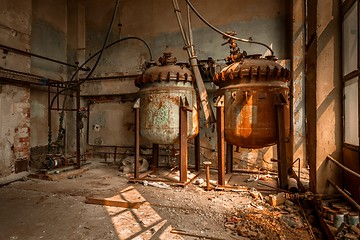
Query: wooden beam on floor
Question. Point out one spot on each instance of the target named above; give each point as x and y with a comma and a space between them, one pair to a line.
113, 203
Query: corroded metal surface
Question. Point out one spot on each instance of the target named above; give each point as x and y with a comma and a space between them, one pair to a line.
160, 90
250, 86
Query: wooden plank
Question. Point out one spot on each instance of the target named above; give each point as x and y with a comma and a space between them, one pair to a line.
187, 233
113, 203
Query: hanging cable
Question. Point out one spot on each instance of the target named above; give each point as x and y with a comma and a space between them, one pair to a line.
82, 81
61, 120
223, 33
108, 46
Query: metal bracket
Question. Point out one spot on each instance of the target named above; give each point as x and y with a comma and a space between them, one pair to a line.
220, 101
280, 99
137, 103
184, 104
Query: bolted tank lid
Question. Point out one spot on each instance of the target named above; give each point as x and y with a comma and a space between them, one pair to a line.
167, 71
242, 67
252, 68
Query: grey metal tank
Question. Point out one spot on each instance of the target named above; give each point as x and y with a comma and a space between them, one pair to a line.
160, 90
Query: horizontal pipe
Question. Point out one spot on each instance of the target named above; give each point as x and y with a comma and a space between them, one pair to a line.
111, 77
343, 167
253, 171
345, 195
24, 53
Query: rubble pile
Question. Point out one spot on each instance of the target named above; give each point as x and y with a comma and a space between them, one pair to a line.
265, 218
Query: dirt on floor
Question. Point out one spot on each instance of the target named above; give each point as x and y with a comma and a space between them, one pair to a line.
42, 209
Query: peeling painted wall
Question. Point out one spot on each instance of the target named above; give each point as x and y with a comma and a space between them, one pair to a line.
155, 22
15, 31
49, 39
74, 30
15, 126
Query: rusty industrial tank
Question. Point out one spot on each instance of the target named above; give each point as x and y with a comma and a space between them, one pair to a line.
252, 86
160, 90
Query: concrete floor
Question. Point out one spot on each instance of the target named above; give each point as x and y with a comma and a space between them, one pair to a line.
40, 209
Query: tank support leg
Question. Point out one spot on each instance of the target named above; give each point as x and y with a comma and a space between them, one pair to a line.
220, 139
197, 152
137, 138
184, 108
281, 143
229, 157
155, 157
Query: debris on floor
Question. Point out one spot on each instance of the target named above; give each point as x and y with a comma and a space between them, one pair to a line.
261, 221
127, 165
341, 219
156, 184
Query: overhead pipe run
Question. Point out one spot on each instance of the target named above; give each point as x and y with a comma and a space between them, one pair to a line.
208, 113
223, 33
24, 53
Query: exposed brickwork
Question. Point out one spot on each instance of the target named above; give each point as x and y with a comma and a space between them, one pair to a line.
22, 131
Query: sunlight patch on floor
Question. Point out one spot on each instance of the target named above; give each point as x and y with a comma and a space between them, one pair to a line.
143, 223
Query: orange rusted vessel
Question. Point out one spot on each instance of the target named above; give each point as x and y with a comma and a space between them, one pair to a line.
251, 87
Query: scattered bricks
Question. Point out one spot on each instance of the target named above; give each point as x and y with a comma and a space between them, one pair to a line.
276, 200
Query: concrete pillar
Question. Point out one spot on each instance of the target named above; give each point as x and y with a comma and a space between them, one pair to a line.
323, 91
298, 69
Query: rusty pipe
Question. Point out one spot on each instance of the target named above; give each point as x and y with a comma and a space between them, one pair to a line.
343, 167
345, 195
209, 115
28, 54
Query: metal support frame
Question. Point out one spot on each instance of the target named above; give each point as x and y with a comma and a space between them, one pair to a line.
59, 85
184, 108
197, 152
183, 162
155, 157
137, 137
220, 139
280, 103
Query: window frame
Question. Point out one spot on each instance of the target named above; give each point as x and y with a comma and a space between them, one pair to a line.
345, 7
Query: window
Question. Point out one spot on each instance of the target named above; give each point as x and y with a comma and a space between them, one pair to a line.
350, 72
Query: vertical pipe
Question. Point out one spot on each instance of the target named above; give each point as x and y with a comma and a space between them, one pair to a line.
115, 150
57, 98
78, 119
220, 144
49, 120
155, 157
183, 142
191, 41
229, 157
208, 113
137, 142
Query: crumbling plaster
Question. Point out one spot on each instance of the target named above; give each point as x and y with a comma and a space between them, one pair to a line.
15, 31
